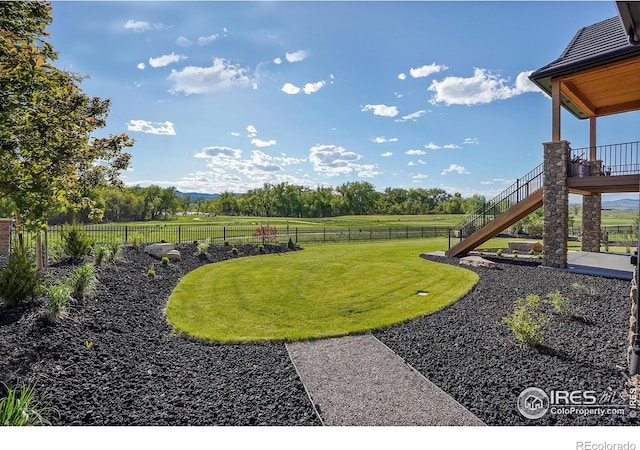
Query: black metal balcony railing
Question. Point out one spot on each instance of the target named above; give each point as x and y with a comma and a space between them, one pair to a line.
511, 196
617, 159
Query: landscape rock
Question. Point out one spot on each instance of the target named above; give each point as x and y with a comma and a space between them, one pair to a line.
173, 255
525, 246
477, 261
159, 250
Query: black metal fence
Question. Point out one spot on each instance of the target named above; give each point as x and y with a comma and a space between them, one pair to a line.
134, 234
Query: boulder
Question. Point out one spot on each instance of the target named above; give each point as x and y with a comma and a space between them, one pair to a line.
160, 250
477, 261
525, 246
173, 255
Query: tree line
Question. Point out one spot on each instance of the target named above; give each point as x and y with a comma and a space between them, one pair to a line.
113, 204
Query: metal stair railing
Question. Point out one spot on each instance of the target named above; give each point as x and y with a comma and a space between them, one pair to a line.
511, 196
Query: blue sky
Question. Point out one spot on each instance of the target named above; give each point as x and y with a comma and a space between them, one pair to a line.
227, 96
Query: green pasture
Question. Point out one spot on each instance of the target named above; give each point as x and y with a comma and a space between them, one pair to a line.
324, 290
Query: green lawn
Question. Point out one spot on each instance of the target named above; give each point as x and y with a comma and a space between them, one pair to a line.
324, 290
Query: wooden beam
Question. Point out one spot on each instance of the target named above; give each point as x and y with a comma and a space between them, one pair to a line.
619, 108
592, 138
603, 185
555, 114
573, 93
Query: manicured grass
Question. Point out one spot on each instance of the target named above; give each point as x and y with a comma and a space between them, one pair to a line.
324, 290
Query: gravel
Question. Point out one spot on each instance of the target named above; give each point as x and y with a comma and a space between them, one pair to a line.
115, 361
468, 351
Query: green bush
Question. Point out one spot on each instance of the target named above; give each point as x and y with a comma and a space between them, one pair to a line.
560, 304
226, 243
291, 245
19, 281
152, 271
234, 251
19, 409
165, 261
202, 248
83, 282
115, 251
527, 321
499, 253
76, 243
261, 248
58, 299
100, 254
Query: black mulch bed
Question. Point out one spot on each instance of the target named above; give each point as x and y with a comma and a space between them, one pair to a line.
467, 351
115, 361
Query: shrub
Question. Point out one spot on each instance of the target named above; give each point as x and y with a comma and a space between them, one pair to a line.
532, 252
202, 248
76, 243
19, 409
261, 248
58, 299
560, 304
115, 251
527, 321
499, 253
226, 243
19, 281
291, 245
234, 251
152, 271
100, 253
165, 260
266, 233
515, 253
83, 282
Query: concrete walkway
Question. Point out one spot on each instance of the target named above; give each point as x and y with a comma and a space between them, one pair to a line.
357, 380
610, 265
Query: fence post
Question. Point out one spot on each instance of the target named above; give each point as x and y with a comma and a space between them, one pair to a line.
349, 235
449, 233
296, 234
324, 235
224, 234
179, 232
126, 233
406, 233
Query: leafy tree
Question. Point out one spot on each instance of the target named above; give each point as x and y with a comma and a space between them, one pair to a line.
49, 160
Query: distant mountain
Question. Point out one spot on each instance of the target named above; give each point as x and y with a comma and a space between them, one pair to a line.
626, 204
197, 195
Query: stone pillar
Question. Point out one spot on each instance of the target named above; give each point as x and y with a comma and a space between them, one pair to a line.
556, 204
591, 220
632, 320
5, 236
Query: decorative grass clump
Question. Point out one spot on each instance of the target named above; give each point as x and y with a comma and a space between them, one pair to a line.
19, 408
328, 290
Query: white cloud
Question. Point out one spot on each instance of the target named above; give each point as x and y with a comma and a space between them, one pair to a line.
382, 140
333, 160
432, 146
183, 42
415, 152
251, 130
165, 60
451, 146
234, 133
219, 152
411, 164
497, 180
455, 168
468, 141
290, 89
524, 84
260, 143
310, 88
206, 40
381, 110
386, 154
298, 56
402, 76
425, 71
138, 26
141, 66
419, 177
482, 87
413, 116
143, 126
203, 80
277, 61
368, 171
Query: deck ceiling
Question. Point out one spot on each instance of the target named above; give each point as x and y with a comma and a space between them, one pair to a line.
610, 89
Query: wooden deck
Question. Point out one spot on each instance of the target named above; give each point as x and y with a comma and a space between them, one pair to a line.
603, 185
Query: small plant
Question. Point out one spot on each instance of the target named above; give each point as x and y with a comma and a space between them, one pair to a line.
115, 251
527, 321
18, 407
499, 253
515, 253
58, 300
234, 251
584, 291
226, 243
165, 261
152, 271
560, 304
291, 245
266, 233
532, 252
539, 257
202, 248
83, 282
19, 281
88, 344
100, 254
136, 240
261, 248
76, 243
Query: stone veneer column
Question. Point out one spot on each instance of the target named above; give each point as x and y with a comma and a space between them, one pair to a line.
5, 236
632, 320
591, 215
556, 204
